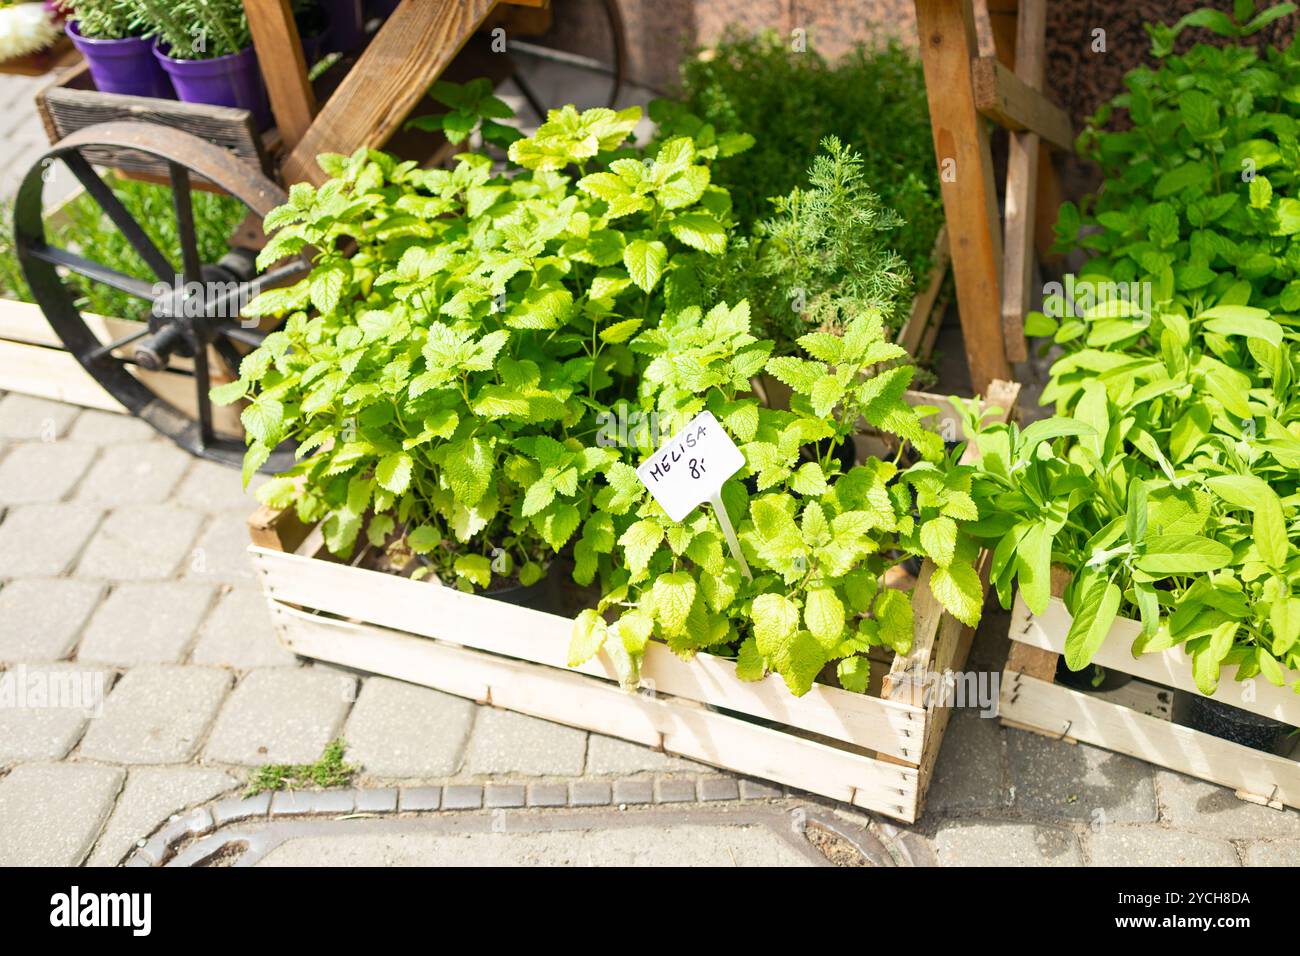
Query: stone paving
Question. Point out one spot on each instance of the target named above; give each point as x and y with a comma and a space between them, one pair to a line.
151, 598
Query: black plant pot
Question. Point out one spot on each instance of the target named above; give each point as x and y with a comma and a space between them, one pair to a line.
1083, 679
544, 595
1233, 723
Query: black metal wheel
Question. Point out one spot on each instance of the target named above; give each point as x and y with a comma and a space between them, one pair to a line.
193, 305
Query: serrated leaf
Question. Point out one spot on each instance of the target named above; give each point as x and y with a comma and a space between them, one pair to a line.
939, 539
957, 588
394, 472
673, 594
700, 231
645, 262
587, 637
823, 613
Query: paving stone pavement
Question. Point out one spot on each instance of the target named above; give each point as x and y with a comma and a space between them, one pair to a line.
122, 565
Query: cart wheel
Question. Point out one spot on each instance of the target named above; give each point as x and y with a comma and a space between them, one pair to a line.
183, 322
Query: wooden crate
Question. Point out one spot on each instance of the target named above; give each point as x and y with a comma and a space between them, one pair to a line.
1120, 721
876, 750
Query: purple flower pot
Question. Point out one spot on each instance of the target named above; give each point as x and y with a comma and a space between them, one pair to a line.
124, 66
345, 29
230, 80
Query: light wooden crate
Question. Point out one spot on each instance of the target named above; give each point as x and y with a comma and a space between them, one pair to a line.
876, 750
1030, 700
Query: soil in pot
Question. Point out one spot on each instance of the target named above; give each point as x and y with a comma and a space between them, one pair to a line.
1091, 678
1232, 723
126, 66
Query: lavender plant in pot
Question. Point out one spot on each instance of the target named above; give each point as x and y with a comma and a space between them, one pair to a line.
207, 50
118, 53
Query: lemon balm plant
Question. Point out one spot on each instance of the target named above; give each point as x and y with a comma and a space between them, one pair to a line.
817, 539
444, 366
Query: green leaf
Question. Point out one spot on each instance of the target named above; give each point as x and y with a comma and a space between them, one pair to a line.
394, 472
854, 674
1182, 554
700, 231
776, 619
823, 613
749, 662
1093, 617
423, 539
327, 285
958, 589
939, 539
673, 594
639, 543
893, 612
475, 568
587, 637
263, 420
645, 262
620, 332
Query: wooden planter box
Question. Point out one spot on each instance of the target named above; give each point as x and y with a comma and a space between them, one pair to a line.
1138, 719
876, 750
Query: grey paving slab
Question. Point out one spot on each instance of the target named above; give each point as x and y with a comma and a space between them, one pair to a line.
40, 618
399, 730
609, 755
372, 800
648, 845
110, 428
289, 802
221, 553
969, 772
418, 799
234, 809
548, 794
46, 708
145, 623
134, 474
1078, 782
1120, 845
504, 742
42, 471
1005, 843
498, 796
280, 715
634, 791
44, 540
675, 789
50, 813
140, 542
589, 793
759, 790
718, 788
156, 713
208, 486
462, 797
151, 795
24, 418
1191, 804
238, 633
1273, 853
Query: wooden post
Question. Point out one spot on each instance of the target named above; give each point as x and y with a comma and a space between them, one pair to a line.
275, 37
414, 46
1022, 188
946, 30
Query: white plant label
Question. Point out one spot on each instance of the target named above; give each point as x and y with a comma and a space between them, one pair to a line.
691, 467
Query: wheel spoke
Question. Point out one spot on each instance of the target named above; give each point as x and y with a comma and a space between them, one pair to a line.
94, 271
184, 206
94, 355
220, 304
202, 384
238, 333
103, 194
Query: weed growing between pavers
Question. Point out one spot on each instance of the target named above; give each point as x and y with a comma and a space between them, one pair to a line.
329, 771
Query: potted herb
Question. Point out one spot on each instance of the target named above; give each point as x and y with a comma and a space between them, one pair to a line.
205, 47
118, 53
446, 380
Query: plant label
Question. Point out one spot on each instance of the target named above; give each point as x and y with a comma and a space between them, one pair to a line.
690, 468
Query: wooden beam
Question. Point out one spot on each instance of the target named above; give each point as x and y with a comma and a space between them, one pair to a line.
1022, 187
1011, 103
961, 145
275, 36
412, 48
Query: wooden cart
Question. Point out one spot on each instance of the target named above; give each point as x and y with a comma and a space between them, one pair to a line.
161, 370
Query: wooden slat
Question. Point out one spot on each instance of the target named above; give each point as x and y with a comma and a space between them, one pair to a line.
1059, 711
970, 206
1022, 187
276, 529
417, 607
1012, 103
580, 701
912, 336
53, 374
284, 68
410, 51
1171, 667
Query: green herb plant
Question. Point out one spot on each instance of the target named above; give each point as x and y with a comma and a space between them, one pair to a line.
818, 540
192, 29
1169, 493
99, 19
444, 381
